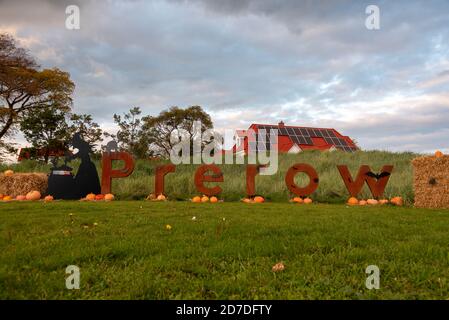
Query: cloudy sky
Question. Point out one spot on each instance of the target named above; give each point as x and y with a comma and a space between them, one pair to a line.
311, 63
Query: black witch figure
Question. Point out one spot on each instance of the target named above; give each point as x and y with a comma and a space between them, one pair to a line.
62, 184
86, 179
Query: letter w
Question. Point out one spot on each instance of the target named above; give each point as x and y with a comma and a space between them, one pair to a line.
376, 185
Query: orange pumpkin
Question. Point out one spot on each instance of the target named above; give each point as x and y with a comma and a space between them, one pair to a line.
161, 197
33, 195
99, 197
90, 197
196, 199
109, 197
372, 202
247, 200
8, 173
213, 199
21, 197
204, 199
383, 201
48, 198
308, 200
438, 154
7, 198
297, 200
397, 201
362, 203
259, 199
1, 196
353, 201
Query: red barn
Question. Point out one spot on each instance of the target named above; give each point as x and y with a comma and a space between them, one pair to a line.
294, 139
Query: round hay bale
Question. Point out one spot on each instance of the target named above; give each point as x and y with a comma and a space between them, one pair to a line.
22, 183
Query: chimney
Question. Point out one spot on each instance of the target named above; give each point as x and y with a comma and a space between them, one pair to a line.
281, 124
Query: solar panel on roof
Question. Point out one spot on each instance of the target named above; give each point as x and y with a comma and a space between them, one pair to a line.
335, 141
328, 140
324, 133
308, 140
295, 139
283, 131
330, 132
343, 142
304, 132
291, 131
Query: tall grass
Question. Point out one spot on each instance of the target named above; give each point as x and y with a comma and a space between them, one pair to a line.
180, 185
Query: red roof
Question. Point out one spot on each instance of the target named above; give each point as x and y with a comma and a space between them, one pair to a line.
299, 138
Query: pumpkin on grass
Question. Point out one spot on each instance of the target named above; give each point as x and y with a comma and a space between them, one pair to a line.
90, 197
213, 199
48, 198
297, 200
21, 197
397, 201
362, 203
259, 199
109, 197
204, 199
372, 202
7, 198
308, 200
33, 195
99, 197
196, 199
161, 197
353, 201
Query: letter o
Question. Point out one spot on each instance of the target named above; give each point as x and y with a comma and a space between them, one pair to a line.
304, 168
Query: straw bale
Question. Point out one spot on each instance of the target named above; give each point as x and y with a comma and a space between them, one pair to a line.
22, 183
431, 181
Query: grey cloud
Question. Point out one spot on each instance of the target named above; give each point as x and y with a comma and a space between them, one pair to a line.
255, 59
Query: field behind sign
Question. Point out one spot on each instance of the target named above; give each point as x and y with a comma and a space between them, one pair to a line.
180, 185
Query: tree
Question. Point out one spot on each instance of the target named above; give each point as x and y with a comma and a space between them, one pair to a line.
24, 88
84, 124
45, 128
158, 130
130, 135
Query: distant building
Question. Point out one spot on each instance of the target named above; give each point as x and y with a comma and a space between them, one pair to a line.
294, 139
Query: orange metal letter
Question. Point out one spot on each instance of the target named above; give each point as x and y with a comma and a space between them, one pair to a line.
108, 173
251, 171
376, 185
290, 179
200, 178
160, 175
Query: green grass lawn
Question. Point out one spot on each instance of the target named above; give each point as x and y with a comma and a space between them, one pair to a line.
226, 253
